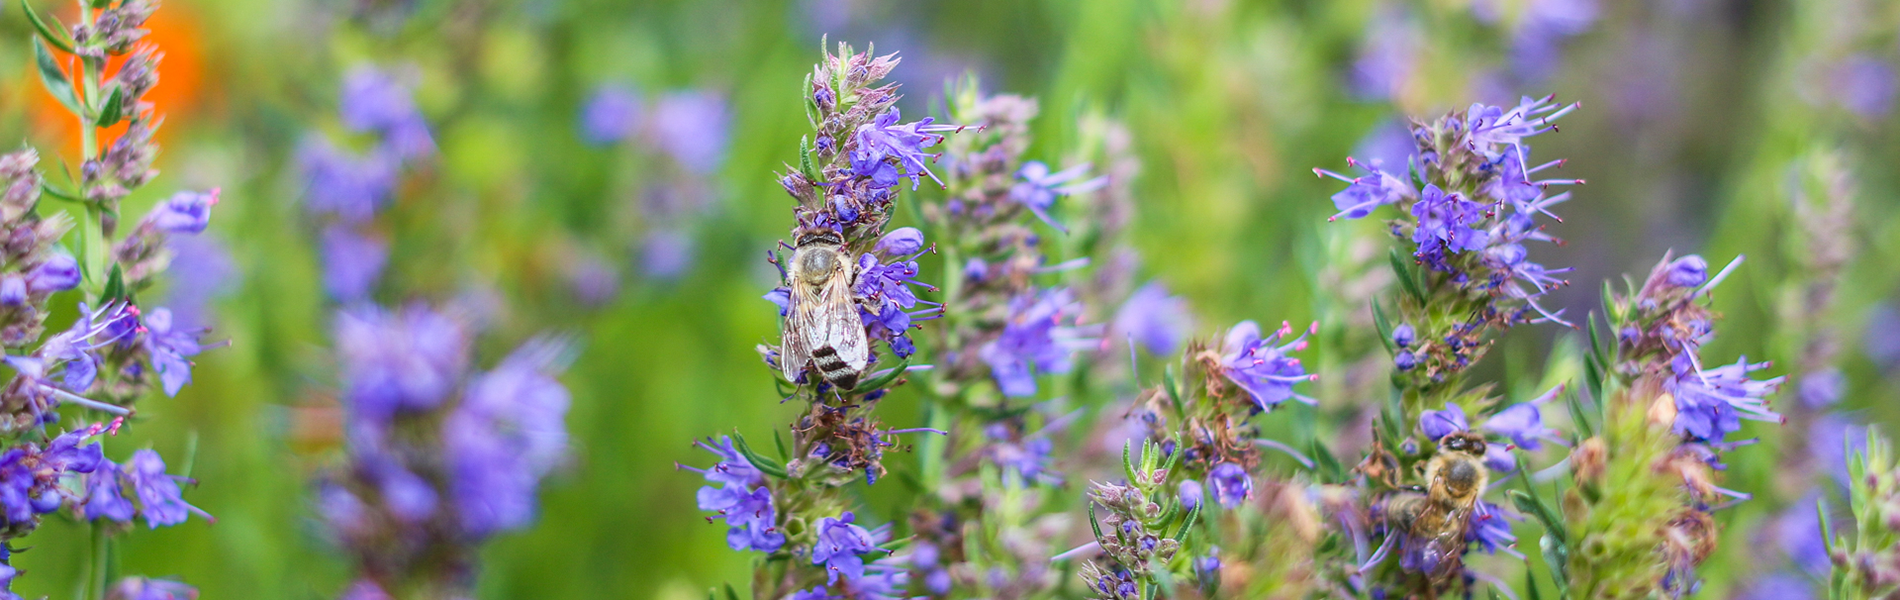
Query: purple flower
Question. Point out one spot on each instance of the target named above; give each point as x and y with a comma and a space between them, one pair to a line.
1444, 223
611, 115
1387, 56
1780, 586
884, 137
352, 263
742, 497
507, 433
1524, 422
1710, 403
374, 100
1023, 461
665, 255
350, 187
1687, 272
59, 273
1262, 368
1190, 493
1491, 529
841, 546
1436, 424
1389, 147
201, 270
160, 500
170, 349
1822, 388
1405, 360
900, 242
404, 361
1033, 341
1207, 568
364, 589
1829, 439
1798, 531
1155, 319
1881, 340
104, 495
1541, 29
691, 127
1403, 335
1499, 458
140, 588
185, 212
1039, 188
12, 289
1864, 85
1232, 484
1367, 192
1492, 128
408, 496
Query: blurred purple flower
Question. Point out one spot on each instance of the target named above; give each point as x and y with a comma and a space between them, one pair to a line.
59, 273
666, 255
1881, 336
594, 281
1780, 586
1829, 439
1023, 462
1389, 147
1038, 188
140, 588
350, 187
364, 589
611, 115
409, 360
1536, 45
1190, 493
1864, 85
1822, 388
1263, 368
1524, 422
691, 126
1232, 485
506, 434
1387, 56
1153, 318
201, 270
1368, 192
1033, 341
185, 212
1687, 272
1491, 529
105, 496
374, 100
1798, 531
352, 263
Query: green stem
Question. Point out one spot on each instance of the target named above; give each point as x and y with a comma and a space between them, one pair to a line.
99, 556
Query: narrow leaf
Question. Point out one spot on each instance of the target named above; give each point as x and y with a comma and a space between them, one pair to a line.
1168, 381
765, 465
811, 104
115, 286
55, 79
882, 379
779, 441
53, 36
1403, 268
1385, 327
1535, 507
1329, 467
730, 593
110, 113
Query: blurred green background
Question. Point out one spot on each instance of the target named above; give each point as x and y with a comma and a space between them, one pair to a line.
1695, 113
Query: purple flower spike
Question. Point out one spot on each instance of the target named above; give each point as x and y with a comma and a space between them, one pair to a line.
1232, 484
508, 433
1444, 223
884, 137
377, 101
1436, 424
1263, 368
841, 546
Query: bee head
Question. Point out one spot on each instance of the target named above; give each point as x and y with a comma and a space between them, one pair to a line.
1463, 442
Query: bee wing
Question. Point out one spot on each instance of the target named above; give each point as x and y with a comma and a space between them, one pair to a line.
1445, 548
796, 353
837, 323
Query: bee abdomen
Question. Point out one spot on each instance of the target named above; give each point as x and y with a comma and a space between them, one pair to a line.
834, 368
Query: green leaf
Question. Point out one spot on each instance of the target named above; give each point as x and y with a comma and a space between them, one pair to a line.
110, 113
1192, 516
884, 378
55, 79
54, 36
1380, 321
1168, 382
1578, 415
1329, 468
765, 465
805, 166
811, 104
779, 441
48, 189
730, 593
115, 287
1128, 465
1403, 268
1827, 525
1094, 523
1530, 586
1535, 507
1557, 558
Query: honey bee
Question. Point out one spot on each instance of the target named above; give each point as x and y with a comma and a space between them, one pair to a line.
1435, 524
822, 329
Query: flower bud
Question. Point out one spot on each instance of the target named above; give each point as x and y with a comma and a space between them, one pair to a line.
903, 241
1687, 272
57, 274
1403, 335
